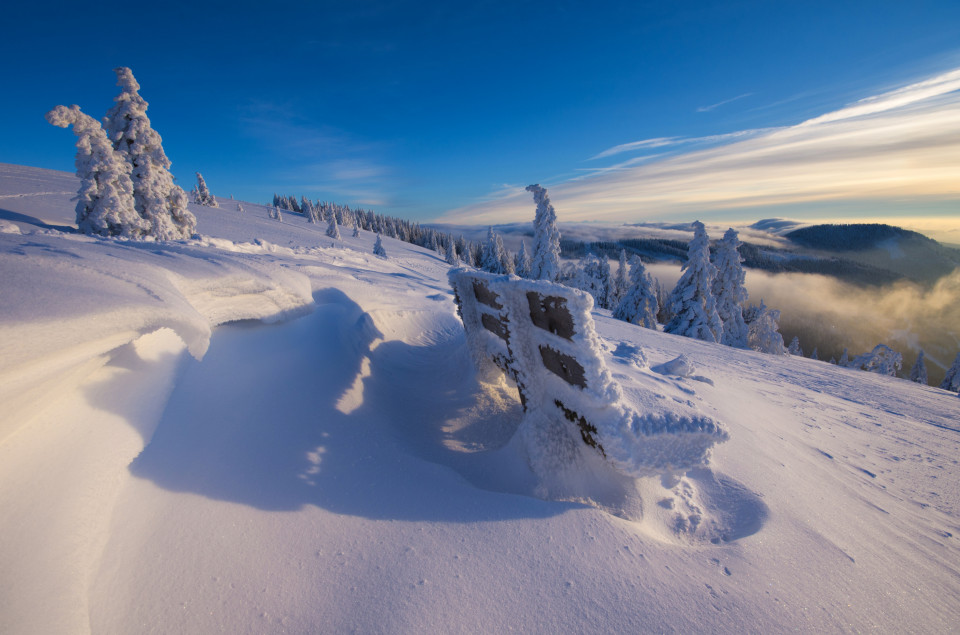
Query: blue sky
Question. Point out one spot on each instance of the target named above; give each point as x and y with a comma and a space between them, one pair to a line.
442, 110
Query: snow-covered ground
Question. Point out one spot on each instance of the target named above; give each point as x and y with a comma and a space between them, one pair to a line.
260, 431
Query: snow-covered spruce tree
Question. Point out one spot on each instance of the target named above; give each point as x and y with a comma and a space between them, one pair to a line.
545, 263
691, 302
794, 348
621, 282
378, 249
729, 290
105, 198
493, 255
764, 333
202, 195
451, 257
356, 231
882, 360
156, 197
952, 380
521, 261
844, 359
593, 276
918, 372
639, 304
332, 230
815, 355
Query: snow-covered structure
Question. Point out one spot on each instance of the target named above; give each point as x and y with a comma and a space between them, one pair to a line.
918, 372
882, 360
202, 195
378, 249
764, 333
639, 304
105, 204
692, 303
730, 291
952, 379
545, 262
156, 197
542, 335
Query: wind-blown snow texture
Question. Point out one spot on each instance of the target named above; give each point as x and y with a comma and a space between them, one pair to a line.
342, 469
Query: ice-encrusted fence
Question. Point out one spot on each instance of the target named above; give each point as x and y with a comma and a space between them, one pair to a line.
542, 336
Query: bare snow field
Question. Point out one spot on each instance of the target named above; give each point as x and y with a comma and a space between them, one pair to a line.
266, 431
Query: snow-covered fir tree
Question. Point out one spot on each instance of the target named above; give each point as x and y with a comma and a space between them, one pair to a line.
493, 256
592, 275
844, 359
882, 360
764, 333
521, 261
156, 197
105, 204
332, 230
730, 291
378, 249
621, 282
794, 348
202, 195
952, 379
451, 257
691, 302
815, 355
918, 372
639, 304
356, 231
545, 263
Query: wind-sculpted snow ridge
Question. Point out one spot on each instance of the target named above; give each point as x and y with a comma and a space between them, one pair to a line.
542, 334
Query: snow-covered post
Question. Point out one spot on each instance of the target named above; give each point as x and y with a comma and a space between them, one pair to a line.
952, 379
730, 291
918, 372
545, 264
105, 199
639, 304
203, 195
692, 303
156, 197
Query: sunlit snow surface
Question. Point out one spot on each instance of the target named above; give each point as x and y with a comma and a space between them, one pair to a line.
260, 431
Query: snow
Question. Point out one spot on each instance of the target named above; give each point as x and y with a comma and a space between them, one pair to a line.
256, 432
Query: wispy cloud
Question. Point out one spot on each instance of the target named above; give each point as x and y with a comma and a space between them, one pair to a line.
894, 151
723, 103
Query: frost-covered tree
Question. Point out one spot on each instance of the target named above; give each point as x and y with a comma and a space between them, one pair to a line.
592, 275
493, 256
918, 372
764, 333
882, 360
691, 302
621, 282
814, 354
356, 231
202, 195
844, 359
378, 249
730, 291
451, 256
952, 379
639, 304
545, 263
156, 197
105, 199
521, 262
794, 348
332, 230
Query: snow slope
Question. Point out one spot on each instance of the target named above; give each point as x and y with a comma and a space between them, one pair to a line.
260, 432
